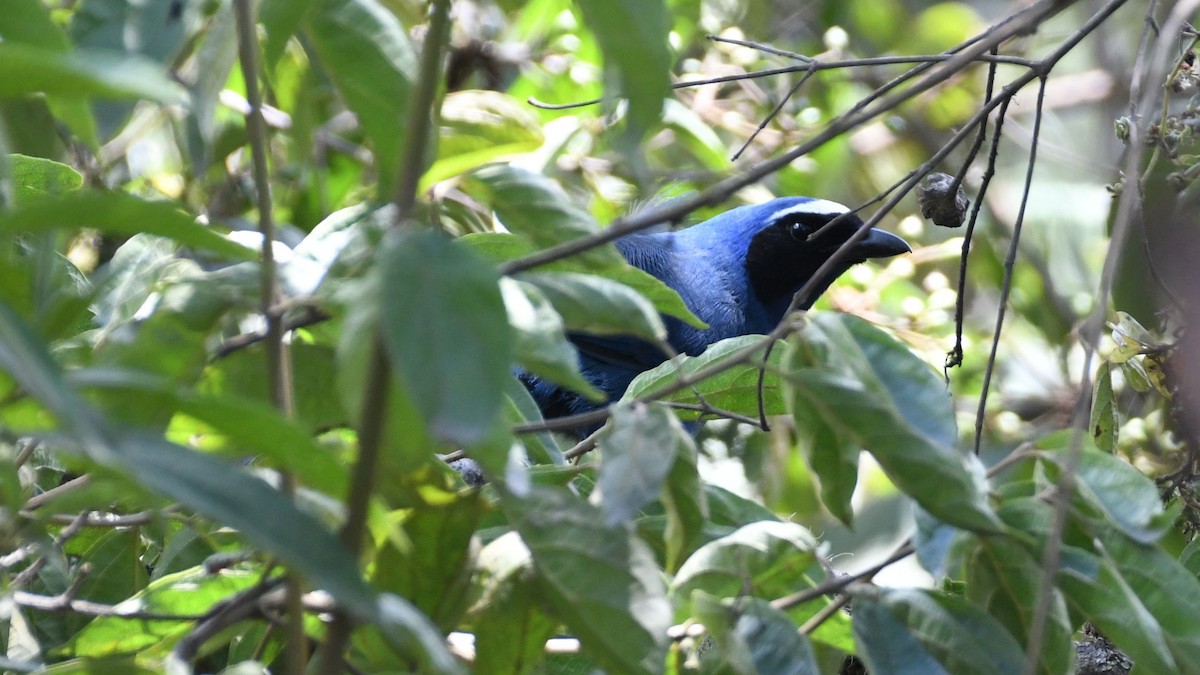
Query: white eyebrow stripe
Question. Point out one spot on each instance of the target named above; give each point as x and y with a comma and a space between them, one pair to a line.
821, 206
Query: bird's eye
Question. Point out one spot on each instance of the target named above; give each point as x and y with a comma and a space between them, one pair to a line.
796, 229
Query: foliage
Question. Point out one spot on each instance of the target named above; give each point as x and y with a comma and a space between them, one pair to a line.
175, 467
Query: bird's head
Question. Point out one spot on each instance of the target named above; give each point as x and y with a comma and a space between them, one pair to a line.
782, 255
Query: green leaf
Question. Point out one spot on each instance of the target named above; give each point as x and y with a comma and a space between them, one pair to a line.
735, 388
1004, 579
501, 247
541, 447
191, 592
633, 36
1104, 420
480, 127
1095, 588
34, 177
254, 426
639, 448
753, 637
686, 506
433, 566
121, 214
833, 455
1168, 590
1126, 497
599, 306
370, 58
510, 629
536, 208
600, 580
874, 390
765, 559
541, 345
212, 487
29, 22
29, 69
914, 631
446, 330
280, 20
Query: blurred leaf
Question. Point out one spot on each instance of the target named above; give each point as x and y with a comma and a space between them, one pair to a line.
914, 631
29, 22
541, 345
29, 69
932, 541
446, 329
34, 177
121, 214
875, 391
510, 628
542, 446
598, 306
637, 60
191, 592
212, 487
686, 506
1126, 497
765, 559
243, 374
600, 580
1003, 578
280, 20
640, 446
1168, 590
752, 637
432, 566
480, 127
1096, 589
734, 389
255, 426
370, 58
1104, 420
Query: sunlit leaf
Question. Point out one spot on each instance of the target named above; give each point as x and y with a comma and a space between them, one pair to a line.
28, 70
633, 36
735, 388
368, 54
118, 213
34, 177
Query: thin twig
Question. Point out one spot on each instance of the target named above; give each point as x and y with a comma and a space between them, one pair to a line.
1016, 25
812, 64
1009, 263
376, 394
279, 372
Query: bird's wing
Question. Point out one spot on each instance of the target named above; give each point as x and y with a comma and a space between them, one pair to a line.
620, 351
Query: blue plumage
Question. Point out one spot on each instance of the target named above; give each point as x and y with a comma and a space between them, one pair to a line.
737, 271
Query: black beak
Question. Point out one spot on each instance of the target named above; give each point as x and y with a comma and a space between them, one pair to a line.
879, 244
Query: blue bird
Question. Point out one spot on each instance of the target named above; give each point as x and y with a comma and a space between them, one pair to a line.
737, 272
